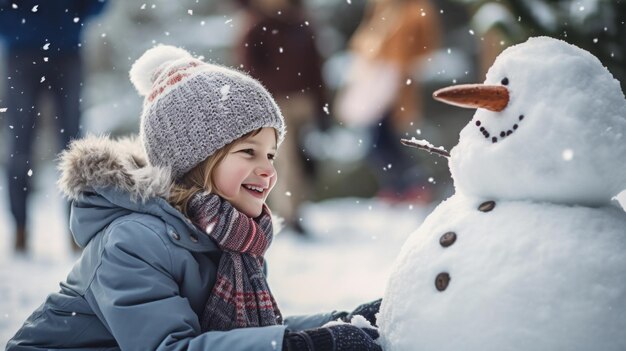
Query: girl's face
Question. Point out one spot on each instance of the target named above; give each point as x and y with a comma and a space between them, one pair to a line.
246, 175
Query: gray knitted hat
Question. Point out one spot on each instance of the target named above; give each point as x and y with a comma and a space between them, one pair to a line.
192, 109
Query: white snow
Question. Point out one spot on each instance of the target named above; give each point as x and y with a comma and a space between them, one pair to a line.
542, 270
224, 90
358, 321
361, 322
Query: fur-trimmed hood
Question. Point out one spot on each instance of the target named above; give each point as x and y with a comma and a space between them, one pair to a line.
109, 179
100, 162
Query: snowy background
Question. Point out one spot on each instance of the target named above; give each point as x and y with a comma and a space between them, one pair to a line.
354, 240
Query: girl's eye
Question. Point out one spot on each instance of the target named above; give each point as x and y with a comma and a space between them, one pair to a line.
248, 151
271, 157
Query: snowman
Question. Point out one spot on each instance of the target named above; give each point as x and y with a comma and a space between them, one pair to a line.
530, 252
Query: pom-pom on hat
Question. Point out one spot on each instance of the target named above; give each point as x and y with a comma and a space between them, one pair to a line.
192, 108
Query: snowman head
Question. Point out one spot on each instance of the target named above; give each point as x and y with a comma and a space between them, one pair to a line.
550, 126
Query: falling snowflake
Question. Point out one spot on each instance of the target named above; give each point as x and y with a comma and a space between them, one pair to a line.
3, 109
190, 12
35, 8
209, 228
568, 154
30, 173
325, 108
46, 46
224, 91
43, 79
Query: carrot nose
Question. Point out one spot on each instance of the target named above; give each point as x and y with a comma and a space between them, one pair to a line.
490, 97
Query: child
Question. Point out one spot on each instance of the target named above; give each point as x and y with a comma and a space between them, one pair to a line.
174, 226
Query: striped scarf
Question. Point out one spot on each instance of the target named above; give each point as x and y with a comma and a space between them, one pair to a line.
241, 297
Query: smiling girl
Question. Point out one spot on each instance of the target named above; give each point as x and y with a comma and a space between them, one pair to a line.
174, 226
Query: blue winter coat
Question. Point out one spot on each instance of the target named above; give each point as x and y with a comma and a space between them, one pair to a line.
145, 272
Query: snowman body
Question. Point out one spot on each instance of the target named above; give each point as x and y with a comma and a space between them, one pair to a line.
543, 267
521, 276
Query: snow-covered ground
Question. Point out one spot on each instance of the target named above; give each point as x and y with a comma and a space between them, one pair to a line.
345, 262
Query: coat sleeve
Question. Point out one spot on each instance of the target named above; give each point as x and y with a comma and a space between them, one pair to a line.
137, 298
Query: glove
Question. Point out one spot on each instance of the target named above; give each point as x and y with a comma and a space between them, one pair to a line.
367, 310
339, 337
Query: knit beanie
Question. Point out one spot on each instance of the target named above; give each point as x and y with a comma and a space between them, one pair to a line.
192, 108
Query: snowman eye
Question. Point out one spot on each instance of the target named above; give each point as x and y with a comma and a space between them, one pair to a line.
505, 81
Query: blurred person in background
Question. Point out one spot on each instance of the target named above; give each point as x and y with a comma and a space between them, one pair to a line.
43, 45
278, 48
383, 94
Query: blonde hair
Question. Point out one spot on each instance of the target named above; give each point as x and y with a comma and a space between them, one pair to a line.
200, 178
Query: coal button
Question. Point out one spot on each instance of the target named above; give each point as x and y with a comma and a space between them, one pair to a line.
447, 239
442, 281
487, 206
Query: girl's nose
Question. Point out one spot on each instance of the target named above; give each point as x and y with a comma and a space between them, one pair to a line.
266, 169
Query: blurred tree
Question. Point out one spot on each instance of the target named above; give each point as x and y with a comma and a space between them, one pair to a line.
597, 26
